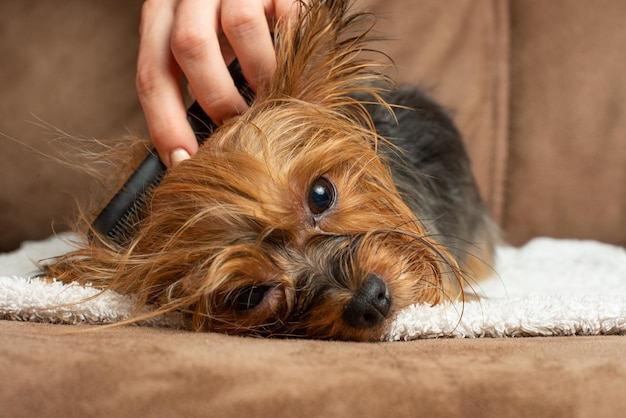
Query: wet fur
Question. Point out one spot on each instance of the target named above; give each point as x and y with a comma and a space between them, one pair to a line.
237, 214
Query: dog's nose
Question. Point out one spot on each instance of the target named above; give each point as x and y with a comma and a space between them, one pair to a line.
370, 305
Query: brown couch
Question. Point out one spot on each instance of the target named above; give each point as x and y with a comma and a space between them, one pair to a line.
539, 90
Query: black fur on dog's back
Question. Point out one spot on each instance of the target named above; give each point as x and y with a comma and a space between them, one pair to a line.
432, 171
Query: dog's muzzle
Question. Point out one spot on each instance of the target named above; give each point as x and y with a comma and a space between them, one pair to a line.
370, 305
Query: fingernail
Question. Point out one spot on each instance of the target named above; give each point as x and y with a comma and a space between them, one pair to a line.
178, 155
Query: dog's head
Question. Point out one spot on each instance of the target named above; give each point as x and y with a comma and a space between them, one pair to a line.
287, 221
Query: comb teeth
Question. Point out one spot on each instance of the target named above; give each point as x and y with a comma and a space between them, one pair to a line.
118, 219
123, 229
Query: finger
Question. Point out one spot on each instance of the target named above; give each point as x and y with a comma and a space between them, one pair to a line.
158, 85
245, 25
196, 47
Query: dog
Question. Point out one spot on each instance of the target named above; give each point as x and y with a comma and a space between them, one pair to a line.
335, 201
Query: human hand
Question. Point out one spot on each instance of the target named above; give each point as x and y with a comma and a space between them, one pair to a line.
198, 39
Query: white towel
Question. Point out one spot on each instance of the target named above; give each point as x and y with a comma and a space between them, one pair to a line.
547, 287
27, 298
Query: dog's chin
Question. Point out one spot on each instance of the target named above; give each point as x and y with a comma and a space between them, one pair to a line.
336, 331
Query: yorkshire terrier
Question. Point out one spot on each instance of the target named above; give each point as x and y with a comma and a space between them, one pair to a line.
335, 201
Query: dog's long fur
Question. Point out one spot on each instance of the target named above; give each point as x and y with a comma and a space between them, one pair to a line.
331, 204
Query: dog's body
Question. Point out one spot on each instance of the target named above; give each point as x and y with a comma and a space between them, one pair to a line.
432, 171
321, 212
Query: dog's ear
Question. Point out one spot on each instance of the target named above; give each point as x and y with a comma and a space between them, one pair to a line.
322, 55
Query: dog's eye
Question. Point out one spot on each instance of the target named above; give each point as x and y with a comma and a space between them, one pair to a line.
249, 297
321, 196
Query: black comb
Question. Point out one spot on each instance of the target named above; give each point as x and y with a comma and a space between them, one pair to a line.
118, 218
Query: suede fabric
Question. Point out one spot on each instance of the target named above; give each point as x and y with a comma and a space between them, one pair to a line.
71, 66
538, 90
568, 121
133, 371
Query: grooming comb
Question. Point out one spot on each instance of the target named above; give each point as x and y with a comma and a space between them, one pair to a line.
119, 217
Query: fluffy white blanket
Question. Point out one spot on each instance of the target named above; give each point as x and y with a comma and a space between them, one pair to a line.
547, 287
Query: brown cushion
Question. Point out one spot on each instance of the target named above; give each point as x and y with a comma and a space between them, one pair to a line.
567, 162
50, 371
70, 65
